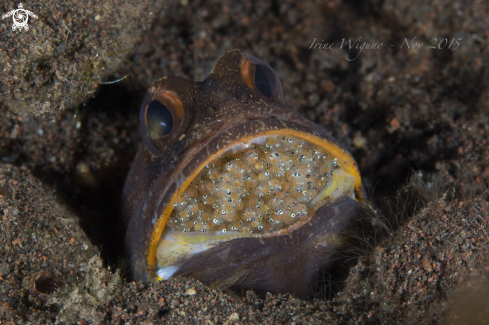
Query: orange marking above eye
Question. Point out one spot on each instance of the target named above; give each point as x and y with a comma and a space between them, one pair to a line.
246, 73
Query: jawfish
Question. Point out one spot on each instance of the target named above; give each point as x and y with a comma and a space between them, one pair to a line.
233, 187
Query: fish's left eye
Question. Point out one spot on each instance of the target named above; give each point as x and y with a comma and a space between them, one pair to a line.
266, 80
261, 81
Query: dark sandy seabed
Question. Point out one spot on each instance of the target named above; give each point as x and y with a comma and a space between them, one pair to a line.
416, 121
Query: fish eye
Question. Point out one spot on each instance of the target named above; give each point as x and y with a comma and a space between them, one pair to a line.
159, 120
261, 81
266, 80
165, 114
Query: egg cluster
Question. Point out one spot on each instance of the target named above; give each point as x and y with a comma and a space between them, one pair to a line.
263, 188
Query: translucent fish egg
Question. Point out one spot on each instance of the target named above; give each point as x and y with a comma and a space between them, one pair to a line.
264, 188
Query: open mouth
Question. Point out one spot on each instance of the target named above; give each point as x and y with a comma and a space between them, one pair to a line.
259, 187
265, 186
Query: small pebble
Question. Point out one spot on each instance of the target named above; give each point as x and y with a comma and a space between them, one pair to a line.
234, 318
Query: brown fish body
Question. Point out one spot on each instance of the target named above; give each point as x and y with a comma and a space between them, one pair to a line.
189, 126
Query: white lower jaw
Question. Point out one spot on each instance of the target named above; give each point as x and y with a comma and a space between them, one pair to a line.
176, 246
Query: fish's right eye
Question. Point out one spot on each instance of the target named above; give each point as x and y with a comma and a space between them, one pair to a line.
159, 120
166, 113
